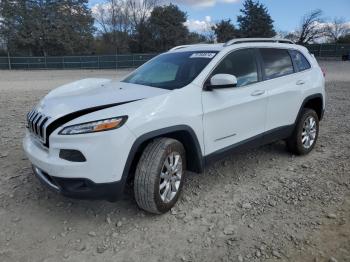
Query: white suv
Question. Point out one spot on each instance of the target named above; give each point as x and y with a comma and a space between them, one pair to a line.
177, 112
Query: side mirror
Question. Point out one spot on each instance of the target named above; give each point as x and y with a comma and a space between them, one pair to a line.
222, 81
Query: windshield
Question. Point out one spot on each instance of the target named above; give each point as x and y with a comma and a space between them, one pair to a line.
171, 70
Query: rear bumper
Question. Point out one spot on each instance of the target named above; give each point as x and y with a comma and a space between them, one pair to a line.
322, 114
80, 188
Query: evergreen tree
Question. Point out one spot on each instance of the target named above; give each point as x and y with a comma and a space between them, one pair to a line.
74, 24
47, 27
8, 29
344, 39
141, 41
167, 27
255, 20
195, 38
225, 31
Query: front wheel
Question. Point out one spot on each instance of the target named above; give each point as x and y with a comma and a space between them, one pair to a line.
159, 175
305, 135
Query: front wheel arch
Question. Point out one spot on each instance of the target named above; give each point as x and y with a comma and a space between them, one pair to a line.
183, 133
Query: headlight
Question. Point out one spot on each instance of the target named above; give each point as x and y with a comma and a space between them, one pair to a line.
94, 126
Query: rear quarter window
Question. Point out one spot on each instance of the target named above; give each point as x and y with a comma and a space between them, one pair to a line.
300, 61
276, 62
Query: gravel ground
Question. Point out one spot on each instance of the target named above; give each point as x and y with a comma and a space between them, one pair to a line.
261, 205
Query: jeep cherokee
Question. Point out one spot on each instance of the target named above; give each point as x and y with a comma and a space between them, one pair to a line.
177, 112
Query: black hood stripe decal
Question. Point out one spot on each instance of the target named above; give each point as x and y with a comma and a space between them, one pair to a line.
69, 117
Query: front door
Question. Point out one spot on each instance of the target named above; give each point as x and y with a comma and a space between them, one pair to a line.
234, 115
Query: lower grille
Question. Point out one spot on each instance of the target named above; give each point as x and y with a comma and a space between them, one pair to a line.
36, 124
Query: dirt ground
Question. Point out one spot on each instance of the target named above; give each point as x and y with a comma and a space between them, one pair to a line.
260, 205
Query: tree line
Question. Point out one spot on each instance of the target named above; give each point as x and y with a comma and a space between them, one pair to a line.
70, 27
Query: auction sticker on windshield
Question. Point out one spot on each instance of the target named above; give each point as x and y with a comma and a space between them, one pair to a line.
203, 55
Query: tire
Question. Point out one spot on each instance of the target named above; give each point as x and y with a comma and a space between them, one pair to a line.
297, 143
153, 178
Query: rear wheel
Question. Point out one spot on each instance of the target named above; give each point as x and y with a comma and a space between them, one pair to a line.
159, 175
305, 135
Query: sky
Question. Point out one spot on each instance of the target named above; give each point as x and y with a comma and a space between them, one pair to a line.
286, 13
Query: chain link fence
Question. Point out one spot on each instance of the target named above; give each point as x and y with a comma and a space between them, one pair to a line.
75, 62
335, 51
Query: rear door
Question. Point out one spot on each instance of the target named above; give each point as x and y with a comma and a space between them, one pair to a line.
233, 115
283, 87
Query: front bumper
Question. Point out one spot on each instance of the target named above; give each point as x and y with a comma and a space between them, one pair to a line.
80, 188
100, 176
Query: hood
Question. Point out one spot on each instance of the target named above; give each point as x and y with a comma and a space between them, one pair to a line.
90, 93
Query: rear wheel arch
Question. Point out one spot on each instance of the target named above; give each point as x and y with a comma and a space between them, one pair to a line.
314, 102
184, 134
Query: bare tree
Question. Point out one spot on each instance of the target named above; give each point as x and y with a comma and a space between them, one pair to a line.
336, 29
112, 16
140, 10
114, 23
101, 15
310, 28
118, 19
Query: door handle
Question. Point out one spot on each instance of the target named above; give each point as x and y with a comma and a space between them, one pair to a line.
300, 82
258, 93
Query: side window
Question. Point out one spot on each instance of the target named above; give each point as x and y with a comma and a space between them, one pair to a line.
277, 62
242, 65
300, 61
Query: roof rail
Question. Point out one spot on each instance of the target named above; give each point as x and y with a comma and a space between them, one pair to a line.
184, 46
179, 47
258, 40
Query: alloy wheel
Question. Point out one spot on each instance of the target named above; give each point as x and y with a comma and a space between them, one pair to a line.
308, 136
170, 177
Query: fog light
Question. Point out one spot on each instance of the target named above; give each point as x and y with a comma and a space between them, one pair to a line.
72, 155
